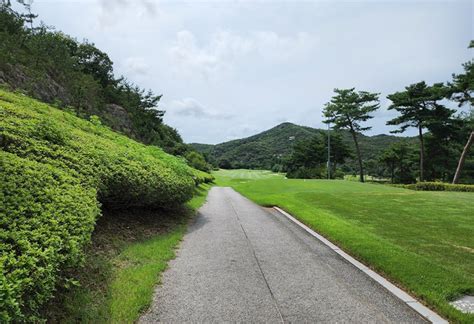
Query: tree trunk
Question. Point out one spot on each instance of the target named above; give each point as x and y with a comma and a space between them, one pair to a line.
422, 151
361, 169
463, 158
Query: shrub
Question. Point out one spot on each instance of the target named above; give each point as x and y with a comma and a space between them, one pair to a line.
339, 174
307, 173
202, 177
46, 217
197, 161
438, 186
57, 169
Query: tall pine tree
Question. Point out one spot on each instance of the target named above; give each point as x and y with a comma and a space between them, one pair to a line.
347, 109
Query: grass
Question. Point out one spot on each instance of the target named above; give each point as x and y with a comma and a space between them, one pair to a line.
422, 240
129, 251
244, 174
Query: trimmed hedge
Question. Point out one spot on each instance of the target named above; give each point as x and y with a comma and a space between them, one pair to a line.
438, 186
202, 177
46, 218
57, 170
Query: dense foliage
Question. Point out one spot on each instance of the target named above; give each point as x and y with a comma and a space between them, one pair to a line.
439, 186
399, 160
57, 170
309, 158
46, 218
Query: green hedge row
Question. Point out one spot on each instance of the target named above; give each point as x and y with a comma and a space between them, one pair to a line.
46, 218
57, 169
202, 177
438, 186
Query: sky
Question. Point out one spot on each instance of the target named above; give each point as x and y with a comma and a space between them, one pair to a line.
231, 69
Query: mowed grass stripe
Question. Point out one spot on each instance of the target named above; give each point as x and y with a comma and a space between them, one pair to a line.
421, 240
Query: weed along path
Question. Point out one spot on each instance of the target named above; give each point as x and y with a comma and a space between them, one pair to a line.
239, 262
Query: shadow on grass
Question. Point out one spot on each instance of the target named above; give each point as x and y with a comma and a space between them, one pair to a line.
117, 233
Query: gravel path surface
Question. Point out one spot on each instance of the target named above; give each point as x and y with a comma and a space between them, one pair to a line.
242, 263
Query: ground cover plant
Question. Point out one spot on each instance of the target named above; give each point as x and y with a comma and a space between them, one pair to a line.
421, 240
129, 251
438, 186
57, 171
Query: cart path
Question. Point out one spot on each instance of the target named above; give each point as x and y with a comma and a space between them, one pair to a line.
242, 263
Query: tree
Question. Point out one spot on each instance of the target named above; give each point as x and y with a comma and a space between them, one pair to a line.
29, 17
398, 157
462, 90
347, 109
340, 151
94, 62
416, 106
389, 158
462, 87
443, 144
307, 159
225, 164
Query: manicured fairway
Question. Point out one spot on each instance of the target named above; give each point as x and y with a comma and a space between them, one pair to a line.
424, 241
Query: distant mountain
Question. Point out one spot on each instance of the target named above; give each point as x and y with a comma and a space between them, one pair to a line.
264, 150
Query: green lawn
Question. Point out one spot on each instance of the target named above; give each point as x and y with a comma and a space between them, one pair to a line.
424, 241
129, 251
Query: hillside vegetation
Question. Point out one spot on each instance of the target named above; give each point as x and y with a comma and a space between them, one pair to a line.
54, 67
421, 240
269, 148
57, 171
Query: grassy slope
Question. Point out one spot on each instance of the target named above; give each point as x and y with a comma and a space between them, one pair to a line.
124, 263
421, 240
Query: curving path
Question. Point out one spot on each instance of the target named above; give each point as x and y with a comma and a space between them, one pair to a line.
242, 263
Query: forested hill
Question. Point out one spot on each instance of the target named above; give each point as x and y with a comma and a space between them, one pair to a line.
269, 148
77, 76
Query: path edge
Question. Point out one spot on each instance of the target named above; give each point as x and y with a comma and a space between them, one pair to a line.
407, 299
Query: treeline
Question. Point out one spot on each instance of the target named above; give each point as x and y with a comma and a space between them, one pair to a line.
77, 76
444, 134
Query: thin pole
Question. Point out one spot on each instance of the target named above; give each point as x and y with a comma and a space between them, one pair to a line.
329, 152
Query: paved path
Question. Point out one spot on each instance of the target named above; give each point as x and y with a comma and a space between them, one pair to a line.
242, 263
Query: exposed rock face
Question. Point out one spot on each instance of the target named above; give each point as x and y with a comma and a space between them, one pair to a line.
47, 89
42, 87
118, 117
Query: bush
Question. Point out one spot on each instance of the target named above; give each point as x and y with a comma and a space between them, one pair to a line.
57, 169
202, 177
197, 161
438, 186
46, 218
339, 174
307, 173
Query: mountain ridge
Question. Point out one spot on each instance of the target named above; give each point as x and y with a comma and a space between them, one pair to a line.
266, 149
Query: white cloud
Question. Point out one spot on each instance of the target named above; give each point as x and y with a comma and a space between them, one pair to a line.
190, 107
136, 66
224, 49
112, 12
